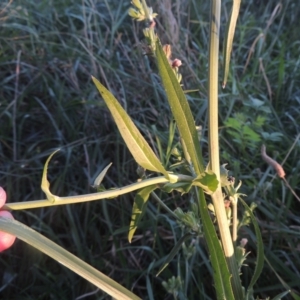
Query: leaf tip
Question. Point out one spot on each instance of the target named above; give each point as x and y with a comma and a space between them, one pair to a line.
130, 236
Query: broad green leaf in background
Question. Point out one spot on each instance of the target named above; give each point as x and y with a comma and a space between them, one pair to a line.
228, 40
139, 208
260, 246
180, 109
67, 259
221, 273
135, 142
45, 183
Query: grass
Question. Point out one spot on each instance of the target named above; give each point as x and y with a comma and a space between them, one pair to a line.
48, 52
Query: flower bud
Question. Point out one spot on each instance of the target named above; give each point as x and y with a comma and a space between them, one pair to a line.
176, 63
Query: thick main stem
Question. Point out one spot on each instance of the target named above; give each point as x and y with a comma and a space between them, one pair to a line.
214, 159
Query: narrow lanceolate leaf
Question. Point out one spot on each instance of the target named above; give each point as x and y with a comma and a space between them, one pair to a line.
67, 259
229, 39
139, 208
100, 177
180, 109
45, 183
135, 142
218, 261
260, 246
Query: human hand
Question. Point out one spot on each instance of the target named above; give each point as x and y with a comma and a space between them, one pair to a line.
6, 239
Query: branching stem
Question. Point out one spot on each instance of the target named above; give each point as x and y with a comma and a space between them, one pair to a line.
91, 197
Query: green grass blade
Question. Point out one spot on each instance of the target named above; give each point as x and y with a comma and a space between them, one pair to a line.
135, 142
174, 251
218, 261
295, 296
281, 295
260, 246
229, 38
139, 208
284, 284
67, 259
180, 109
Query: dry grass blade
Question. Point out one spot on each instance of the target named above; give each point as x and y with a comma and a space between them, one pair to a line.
278, 168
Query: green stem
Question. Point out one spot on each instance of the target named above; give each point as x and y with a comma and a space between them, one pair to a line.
214, 159
234, 219
95, 196
163, 205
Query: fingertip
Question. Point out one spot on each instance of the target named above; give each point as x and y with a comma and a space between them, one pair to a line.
2, 196
6, 239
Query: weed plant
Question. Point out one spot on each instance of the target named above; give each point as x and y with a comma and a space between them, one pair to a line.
48, 51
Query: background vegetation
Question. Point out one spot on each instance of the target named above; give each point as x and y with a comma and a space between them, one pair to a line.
48, 51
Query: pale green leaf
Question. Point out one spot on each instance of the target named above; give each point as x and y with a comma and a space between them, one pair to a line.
67, 259
100, 177
217, 257
45, 183
229, 38
180, 109
135, 142
139, 208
